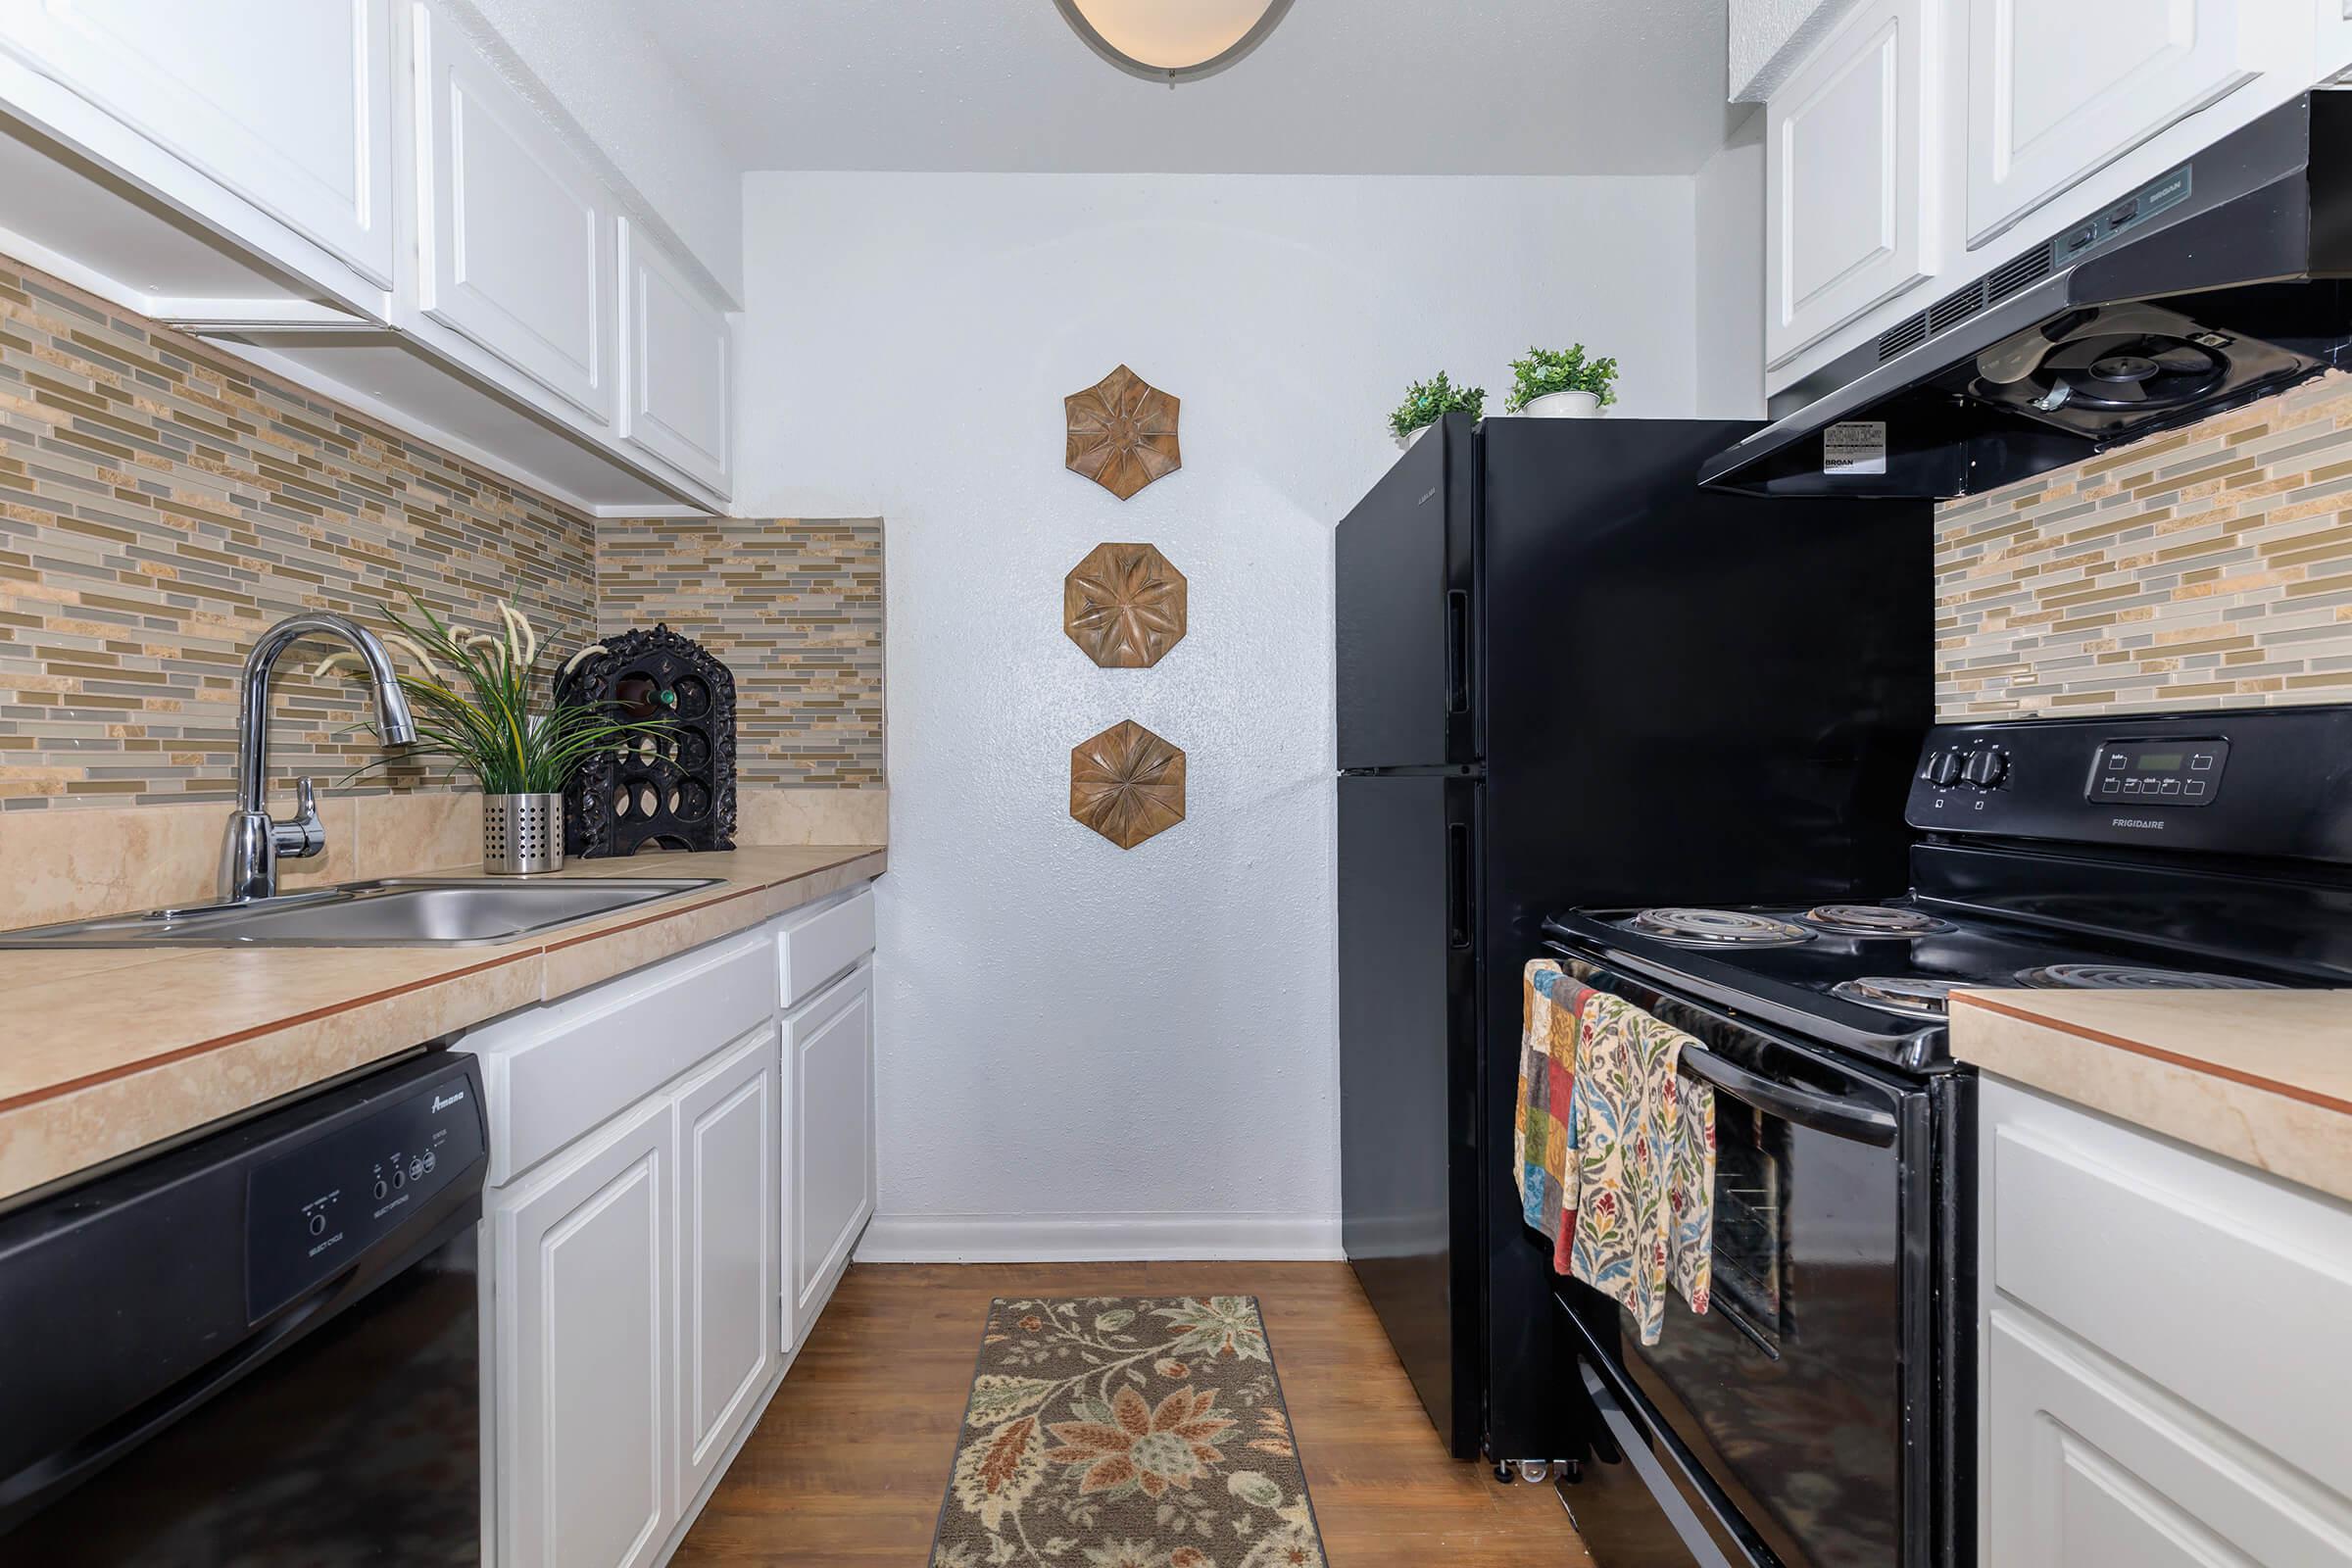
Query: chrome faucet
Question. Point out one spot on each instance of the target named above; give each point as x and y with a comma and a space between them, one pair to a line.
256, 841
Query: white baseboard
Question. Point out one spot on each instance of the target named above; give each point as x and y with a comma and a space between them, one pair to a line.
1096, 1238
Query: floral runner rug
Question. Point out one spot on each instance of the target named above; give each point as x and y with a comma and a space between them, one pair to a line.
1126, 1432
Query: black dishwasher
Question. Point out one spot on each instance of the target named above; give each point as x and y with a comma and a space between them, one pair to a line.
260, 1347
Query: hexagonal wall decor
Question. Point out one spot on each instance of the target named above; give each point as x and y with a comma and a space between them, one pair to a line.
1127, 784
1123, 432
1124, 605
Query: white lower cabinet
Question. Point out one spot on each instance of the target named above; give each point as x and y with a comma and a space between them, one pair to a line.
830, 1044
683, 1167
2161, 1361
730, 1271
582, 1274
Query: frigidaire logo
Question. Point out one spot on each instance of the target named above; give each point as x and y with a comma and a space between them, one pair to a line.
2140, 821
440, 1105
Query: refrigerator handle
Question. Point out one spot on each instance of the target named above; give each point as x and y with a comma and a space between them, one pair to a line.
1457, 651
1457, 884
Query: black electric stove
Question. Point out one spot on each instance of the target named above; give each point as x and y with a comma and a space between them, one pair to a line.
1818, 1415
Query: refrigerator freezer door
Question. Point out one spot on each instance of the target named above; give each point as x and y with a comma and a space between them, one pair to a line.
1407, 1033
1404, 612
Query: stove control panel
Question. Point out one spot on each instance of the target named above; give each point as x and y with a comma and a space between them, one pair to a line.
1965, 768
2184, 771
2253, 782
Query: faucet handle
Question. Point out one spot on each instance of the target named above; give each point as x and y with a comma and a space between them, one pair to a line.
302, 835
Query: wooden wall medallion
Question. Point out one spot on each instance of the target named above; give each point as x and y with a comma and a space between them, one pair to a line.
1124, 605
1127, 784
1123, 432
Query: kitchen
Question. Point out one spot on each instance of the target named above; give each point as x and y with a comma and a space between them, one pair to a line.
1174, 982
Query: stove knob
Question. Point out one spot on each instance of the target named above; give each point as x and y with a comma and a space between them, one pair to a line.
1985, 770
1943, 769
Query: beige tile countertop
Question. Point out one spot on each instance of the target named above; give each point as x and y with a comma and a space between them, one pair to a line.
108, 1051
2262, 1077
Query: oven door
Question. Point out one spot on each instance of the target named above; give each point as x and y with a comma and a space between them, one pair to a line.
1792, 1418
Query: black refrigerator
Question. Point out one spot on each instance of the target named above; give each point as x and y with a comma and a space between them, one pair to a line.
1568, 677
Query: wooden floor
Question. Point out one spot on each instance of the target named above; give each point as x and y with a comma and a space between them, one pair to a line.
851, 1461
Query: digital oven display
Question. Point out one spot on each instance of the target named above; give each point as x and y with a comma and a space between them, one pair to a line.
2185, 772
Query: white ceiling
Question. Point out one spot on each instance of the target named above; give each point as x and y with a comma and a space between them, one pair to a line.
1342, 86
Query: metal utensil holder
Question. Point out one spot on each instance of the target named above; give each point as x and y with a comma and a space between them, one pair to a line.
522, 835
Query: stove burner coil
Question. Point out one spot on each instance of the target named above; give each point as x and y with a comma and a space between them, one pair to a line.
1718, 928
1875, 920
2125, 977
1903, 994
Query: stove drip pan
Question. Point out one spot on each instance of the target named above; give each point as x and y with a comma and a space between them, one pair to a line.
1875, 920
1717, 928
2125, 977
1910, 996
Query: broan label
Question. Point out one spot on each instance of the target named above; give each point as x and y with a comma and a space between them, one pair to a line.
1855, 446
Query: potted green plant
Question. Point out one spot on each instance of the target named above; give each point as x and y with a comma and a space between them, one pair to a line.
1427, 402
478, 700
1562, 384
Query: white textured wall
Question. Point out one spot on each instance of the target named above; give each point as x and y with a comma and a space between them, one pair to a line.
1769, 38
1728, 230
1084, 1049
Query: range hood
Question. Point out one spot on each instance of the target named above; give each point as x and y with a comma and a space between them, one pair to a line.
2226, 278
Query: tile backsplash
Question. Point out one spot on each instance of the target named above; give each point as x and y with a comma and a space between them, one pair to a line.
793, 607
160, 504
162, 501
2208, 567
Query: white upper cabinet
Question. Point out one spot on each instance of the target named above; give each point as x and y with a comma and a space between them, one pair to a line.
517, 230
2058, 91
287, 104
1850, 192
677, 365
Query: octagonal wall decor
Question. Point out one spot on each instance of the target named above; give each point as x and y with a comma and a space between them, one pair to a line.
1124, 605
1123, 432
1127, 784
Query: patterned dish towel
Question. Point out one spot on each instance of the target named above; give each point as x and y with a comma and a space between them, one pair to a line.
1635, 1150
1542, 1151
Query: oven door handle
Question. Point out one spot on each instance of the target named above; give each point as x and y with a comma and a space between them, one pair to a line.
1849, 1117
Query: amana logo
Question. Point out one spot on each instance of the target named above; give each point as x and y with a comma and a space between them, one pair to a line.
2140, 821
440, 1105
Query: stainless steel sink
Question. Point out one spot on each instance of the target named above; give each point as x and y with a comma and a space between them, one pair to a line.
389, 913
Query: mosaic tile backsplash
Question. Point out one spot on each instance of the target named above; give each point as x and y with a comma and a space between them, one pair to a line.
793, 607
2207, 567
161, 504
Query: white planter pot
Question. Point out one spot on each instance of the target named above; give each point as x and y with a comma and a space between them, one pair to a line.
1563, 406
1404, 443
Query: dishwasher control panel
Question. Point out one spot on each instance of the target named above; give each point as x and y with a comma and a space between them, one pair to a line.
313, 1208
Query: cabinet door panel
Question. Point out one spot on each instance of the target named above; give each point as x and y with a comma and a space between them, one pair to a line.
2057, 92
287, 103
729, 1272
678, 353
584, 1410
2089, 1467
1850, 188
831, 1047
520, 259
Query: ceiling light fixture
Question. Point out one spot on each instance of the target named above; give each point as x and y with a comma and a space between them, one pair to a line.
1173, 40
